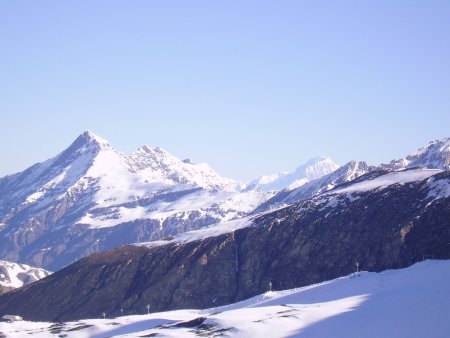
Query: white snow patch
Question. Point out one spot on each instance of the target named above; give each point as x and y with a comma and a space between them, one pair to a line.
211, 231
439, 189
223, 205
396, 177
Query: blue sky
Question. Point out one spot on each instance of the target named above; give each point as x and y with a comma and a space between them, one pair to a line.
250, 87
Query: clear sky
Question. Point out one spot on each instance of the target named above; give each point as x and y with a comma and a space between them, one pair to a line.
250, 87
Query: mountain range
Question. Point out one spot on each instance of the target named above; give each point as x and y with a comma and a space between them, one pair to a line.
90, 198
196, 240
382, 220
435, 155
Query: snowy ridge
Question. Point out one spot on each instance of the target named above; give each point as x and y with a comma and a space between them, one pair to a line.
393, 303
383, 181
311, 170
435, 155
14, 275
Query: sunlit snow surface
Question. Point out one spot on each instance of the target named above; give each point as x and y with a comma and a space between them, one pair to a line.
13, 275
311, 170
412, 302
396, 177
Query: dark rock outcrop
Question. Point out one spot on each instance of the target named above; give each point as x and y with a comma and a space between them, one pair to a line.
309, 242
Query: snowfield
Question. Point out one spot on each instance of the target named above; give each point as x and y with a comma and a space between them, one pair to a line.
411, 302
396, 177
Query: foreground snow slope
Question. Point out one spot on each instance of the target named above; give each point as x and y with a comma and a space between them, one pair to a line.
412, 302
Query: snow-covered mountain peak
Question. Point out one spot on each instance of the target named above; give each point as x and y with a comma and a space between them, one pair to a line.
311, 170
157, 163
90, 140
90, 184
317, 167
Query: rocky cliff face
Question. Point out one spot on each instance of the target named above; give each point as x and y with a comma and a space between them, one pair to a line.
386, 221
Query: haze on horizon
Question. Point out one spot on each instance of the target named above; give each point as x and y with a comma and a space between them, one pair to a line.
250, 88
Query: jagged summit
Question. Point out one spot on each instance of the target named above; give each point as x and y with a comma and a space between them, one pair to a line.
86, 143
89, 135
89, 138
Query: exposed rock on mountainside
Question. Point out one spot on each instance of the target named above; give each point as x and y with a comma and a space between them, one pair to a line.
382, 221
14, 275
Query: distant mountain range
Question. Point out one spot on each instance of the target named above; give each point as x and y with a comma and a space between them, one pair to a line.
91, 198
435, 155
